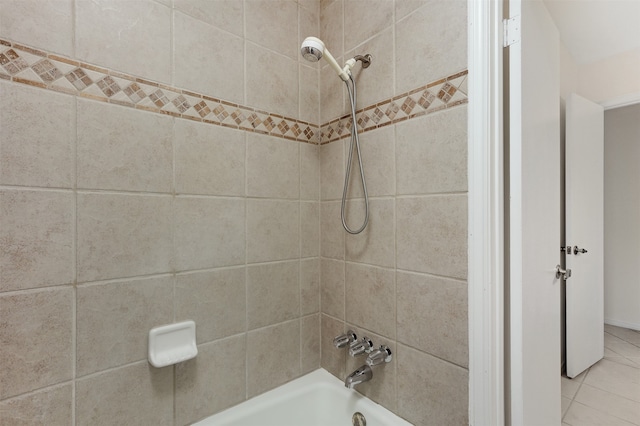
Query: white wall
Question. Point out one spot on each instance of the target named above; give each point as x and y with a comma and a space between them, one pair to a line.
614, 79
622, 216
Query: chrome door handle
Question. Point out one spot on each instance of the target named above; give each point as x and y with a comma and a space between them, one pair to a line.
565, 274
577, 250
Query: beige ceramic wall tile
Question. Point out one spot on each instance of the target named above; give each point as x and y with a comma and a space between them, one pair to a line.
373, 16
432, 235
212, 381
332, 288
209, 232
309, 229
49, 24
382, 389
378, 159
405, 7
215, 300
309, 92
269, 365
309, 172
224, 14
128, 36
208, 60
376, 243
442, 305
370, 298
136, 394
334, 100
209, 160
51, 406
262, 16
331, 26
272, 230
36, 152
273, 293
113, 321
310, 332
37, 235
36, 336
123, 149
431, 44
431, 153
313, 5
332, 359
331, 233
309, 286
431, 391
332, 165
273, 167
272, 80
123, 235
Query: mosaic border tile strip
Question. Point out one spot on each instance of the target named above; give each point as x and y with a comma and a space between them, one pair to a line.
444, 93
23, 64
26, 65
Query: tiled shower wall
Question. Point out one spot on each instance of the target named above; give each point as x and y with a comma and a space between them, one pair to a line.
169, 186
402, 282
120, 212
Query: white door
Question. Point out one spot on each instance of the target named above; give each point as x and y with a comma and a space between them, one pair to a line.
534, 218
584, 215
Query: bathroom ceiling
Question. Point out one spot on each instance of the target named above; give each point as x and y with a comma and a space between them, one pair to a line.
596, 29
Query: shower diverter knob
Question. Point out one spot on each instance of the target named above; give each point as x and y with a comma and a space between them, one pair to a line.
361, 348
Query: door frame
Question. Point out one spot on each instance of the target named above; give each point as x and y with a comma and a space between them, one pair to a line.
486, 214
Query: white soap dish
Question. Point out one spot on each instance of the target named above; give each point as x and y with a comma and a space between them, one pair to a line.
172, 343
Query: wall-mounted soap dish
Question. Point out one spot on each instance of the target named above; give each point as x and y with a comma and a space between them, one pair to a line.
172, 343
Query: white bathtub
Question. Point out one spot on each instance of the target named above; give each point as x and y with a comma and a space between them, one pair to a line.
316, 399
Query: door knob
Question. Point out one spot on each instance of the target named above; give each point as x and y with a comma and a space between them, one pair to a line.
562, 273
577, 250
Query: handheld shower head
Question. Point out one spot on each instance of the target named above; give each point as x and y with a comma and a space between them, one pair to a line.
313, 49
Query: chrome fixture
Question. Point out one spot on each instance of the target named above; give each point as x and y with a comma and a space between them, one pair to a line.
379, 356
362, 347
313, 49
345, 339
575, 249
565, 274
364, 373
360, 375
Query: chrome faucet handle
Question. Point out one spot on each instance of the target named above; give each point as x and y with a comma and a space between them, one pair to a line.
379, 356
362, 347
345, 339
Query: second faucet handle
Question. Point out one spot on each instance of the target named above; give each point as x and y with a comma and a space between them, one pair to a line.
345, 339
361, 348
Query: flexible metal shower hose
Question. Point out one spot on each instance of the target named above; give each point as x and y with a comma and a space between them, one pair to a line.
354, 141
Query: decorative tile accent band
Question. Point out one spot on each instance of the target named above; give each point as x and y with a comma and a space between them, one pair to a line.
26, 65
445, 93
34, 67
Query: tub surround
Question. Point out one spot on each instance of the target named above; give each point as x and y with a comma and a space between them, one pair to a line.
136, 193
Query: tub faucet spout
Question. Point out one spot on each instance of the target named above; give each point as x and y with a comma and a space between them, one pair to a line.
360, 375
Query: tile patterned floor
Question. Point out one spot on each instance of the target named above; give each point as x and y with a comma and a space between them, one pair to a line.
608, 393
